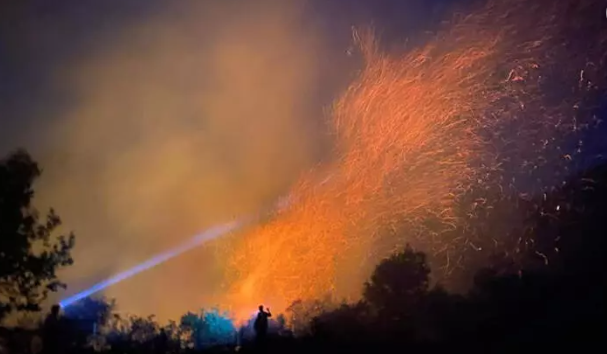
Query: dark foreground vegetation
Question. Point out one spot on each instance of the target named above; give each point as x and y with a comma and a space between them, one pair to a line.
546, 293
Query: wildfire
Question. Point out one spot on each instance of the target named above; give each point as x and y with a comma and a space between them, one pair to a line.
410, 143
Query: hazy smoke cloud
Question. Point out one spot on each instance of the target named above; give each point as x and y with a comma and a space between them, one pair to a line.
176, 123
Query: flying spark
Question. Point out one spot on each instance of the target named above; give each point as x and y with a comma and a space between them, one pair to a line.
421, 138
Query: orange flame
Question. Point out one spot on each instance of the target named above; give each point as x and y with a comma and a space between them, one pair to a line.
407, 140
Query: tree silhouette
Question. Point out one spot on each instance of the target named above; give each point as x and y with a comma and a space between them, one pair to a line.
347, 323
86, 321
29, 254
301, 313
95, 310
398, 282
208, 328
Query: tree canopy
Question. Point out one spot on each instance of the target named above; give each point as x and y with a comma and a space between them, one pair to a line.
398, 281
30, 252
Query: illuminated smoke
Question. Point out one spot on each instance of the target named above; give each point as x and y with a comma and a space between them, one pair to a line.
164, 131
196, 241
415, 134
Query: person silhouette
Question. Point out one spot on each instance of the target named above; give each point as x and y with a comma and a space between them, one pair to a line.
51, 336
261, 325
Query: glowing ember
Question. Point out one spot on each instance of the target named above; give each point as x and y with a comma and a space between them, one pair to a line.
411, 135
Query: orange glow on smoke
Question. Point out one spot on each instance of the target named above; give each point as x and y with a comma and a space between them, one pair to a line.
407, 140
405, 134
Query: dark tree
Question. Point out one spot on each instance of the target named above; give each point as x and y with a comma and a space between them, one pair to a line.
29, 253
301, 313
208, 328
91, 310
398, 282
347, 323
